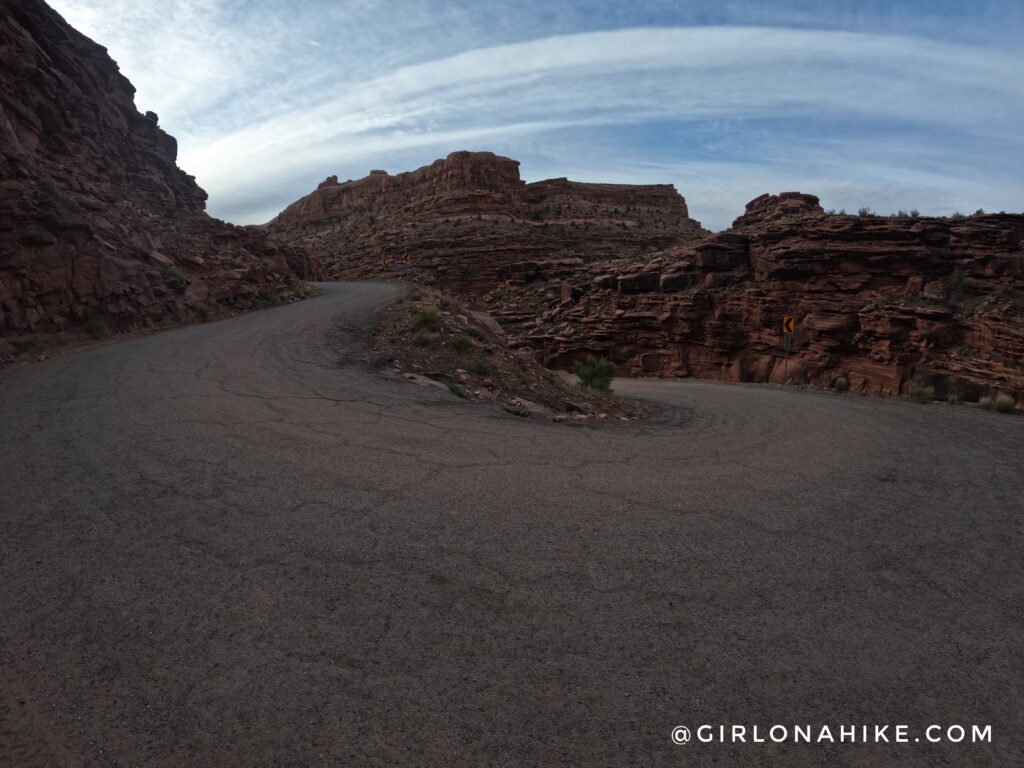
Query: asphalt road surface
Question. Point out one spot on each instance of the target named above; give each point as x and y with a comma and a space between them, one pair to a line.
234, 545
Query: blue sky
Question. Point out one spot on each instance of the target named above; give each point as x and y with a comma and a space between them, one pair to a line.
882, 104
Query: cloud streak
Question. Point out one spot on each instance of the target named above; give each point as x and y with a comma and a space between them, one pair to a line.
726, 112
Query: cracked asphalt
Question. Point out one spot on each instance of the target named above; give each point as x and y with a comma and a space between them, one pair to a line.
235, 545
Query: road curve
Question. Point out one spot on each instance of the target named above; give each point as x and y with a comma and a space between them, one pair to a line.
232, 545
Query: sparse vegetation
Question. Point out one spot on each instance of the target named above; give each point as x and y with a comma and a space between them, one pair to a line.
454, 387
172, 274
596, 373
23, 346
427, 320
1005, 403
953, 397
94, 326
460, 343
954, 285
920, 392
425, 339
987, 402
469, 357
841, 384
865, 211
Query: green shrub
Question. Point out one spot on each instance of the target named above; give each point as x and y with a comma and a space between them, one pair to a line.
424, 339
94, 326
460, 343
841, 384
415, 296
596, 372
954, 284
481, 368
921, 393
987, 402
427, 320
454, 387
954, 397
1005, 403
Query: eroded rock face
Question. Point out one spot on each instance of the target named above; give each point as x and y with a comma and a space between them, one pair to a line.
878, 300
469, 222
95, 216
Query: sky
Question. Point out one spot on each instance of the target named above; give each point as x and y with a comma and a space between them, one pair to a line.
878, 103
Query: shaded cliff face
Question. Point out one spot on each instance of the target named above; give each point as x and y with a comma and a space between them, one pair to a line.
96, 219
878, 300
469, 222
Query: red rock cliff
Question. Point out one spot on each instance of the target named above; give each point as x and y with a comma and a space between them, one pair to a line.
469, 222
95, 216
878, 300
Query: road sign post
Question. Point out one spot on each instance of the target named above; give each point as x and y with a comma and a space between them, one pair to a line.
788, 325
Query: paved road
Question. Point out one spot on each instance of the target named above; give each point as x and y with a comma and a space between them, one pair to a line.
231, 545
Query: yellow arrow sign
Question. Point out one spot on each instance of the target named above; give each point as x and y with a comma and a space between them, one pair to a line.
787, 324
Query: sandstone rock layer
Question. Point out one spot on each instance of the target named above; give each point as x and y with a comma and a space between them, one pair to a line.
469, 222
96, 219
881, 301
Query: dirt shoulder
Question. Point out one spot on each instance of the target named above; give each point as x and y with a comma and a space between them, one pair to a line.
94, 331
435, 340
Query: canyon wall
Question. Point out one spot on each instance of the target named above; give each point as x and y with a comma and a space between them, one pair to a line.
470, 223
96, 219
881, 301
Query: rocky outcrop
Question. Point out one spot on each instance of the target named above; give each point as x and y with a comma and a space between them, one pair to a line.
881, 301
96, 219
469, 222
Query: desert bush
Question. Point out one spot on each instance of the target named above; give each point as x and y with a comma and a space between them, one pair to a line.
865, 211
427, 320
954, 284
1005, 403
841, 384
460, 343
454, 387
954, 397
415, 296
921, 393
94, 326
424, 339
987, 402
481, 368
596, 372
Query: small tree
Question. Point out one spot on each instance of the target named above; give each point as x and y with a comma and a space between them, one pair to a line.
596, 373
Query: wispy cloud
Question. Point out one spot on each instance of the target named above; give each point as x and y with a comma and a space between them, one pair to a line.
724, 111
